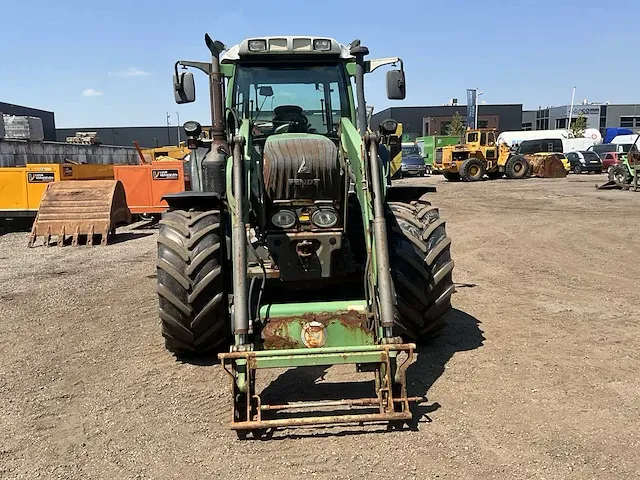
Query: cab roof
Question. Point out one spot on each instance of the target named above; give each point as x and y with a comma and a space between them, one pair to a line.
263, 47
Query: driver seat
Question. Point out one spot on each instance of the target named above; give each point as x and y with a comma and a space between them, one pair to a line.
284, 114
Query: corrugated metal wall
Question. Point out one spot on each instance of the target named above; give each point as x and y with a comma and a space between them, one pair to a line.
18, 153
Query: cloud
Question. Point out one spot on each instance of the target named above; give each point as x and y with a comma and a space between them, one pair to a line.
90, 92
130, 72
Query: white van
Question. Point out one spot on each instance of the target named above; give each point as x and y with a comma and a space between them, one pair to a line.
577, 144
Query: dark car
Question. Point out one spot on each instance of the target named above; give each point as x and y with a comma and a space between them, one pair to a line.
412, 162
584, 161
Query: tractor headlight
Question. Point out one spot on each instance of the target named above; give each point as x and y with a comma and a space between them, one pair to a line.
257, 45
321, 44
192, 128
324, 218
284, 219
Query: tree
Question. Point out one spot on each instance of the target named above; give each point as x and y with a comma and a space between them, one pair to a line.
456, 127
578, 126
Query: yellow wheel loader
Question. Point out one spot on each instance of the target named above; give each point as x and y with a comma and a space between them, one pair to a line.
478, 156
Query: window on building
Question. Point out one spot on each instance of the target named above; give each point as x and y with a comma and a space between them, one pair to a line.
527, 126
483, 123
561, 123
444, 128
630, 122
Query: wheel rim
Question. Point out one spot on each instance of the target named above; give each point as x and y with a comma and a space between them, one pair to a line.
518, 167
474, 170
618, 177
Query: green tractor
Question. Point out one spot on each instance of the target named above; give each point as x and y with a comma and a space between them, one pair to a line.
625, 175
293, 249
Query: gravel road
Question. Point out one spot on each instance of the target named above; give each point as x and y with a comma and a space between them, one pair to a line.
536, 375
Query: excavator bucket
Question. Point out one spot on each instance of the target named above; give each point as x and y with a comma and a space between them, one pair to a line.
77, 208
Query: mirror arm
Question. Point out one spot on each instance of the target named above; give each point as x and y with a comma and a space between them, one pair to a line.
372, 65
202, 66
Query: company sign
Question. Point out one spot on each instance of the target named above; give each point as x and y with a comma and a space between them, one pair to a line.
164, 174
586, 111
40, 177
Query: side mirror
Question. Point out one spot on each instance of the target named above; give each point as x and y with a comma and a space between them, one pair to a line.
184, 87
265, 91
396, 87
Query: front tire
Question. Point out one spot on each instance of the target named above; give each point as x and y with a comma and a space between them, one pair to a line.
472, 170
191, 288
419, 250
577, 169
517, 167
620, 175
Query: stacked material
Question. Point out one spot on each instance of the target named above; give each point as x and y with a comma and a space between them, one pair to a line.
85, 138
22, 128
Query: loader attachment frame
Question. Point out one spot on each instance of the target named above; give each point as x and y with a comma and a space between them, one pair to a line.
390, 400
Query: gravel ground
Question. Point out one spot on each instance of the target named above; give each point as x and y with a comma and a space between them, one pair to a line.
534, 377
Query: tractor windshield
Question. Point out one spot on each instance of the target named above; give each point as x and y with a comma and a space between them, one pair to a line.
304, 99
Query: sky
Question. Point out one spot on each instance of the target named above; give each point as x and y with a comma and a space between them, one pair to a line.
110, 63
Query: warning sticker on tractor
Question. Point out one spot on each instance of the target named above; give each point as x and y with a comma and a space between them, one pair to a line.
164, 174
40, 177
67, 171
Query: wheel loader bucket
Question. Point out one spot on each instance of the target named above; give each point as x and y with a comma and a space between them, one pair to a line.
80, 207
546, 166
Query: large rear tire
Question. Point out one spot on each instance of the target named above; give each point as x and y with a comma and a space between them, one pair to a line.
419, 250
191, 287
517, 167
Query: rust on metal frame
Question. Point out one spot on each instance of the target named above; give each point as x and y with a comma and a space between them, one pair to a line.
275, 332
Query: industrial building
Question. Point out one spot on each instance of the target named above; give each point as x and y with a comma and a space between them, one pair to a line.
598, 115
434, 120
48, 118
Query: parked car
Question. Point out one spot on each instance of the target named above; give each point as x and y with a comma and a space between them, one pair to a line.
412, 162
584, 161
611, 159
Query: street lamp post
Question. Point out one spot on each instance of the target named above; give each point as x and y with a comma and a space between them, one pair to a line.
178, 117
168, 130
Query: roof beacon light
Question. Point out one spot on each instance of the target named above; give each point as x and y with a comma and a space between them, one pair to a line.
257, 45
322, 44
